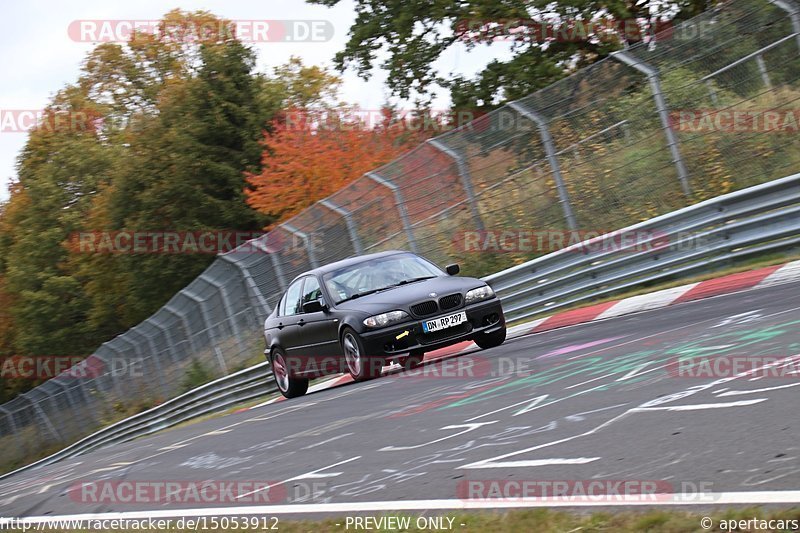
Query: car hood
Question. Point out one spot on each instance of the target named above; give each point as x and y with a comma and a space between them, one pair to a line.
405, 295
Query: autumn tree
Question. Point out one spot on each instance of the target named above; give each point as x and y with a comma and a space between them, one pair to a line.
305, 161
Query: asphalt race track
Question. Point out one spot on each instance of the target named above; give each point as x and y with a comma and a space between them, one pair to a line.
606, 401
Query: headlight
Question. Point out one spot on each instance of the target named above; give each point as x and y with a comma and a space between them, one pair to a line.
385, 319
481, 293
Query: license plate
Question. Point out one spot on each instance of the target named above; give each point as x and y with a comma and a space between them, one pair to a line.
444, 322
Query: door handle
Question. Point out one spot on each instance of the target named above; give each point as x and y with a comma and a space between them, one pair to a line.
301, 322
280, 325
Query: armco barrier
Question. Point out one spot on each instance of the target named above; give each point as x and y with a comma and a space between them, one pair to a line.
212, 397
751, 221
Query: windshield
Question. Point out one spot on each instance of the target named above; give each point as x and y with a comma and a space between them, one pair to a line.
378, 274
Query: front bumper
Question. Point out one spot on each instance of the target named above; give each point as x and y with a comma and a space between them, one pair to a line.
395, 341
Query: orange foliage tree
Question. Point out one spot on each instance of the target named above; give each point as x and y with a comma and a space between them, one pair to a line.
309, 156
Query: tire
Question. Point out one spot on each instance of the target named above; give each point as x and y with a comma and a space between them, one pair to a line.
289, 386
360, 366
412, 360
490, 340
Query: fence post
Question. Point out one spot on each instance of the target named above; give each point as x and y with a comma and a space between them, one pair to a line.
138, 349
185, 321
663, 112
167, 335
250, 283
75, 411
226, 303
466, 179
40, 412
115, 382
348, 220
399, 203
550, 149
794, 13
11, 424
276, 264
207, 321
762, 69
312, 255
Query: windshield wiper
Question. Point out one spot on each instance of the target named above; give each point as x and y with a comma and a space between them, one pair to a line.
360, 294
412, 280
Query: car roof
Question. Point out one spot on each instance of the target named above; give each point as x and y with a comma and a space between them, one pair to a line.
349, 262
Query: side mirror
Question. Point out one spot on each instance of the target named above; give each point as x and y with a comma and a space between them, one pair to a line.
453, 269
314, 306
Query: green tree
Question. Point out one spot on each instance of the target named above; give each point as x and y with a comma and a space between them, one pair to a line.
415, 33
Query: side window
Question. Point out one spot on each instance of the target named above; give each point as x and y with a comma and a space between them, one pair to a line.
282, 306
292, 298
311, 290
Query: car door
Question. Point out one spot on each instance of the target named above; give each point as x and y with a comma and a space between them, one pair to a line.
319, 330
288, 335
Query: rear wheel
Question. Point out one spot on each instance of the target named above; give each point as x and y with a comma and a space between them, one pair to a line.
412, 360
360, 366
490, 340
289, 386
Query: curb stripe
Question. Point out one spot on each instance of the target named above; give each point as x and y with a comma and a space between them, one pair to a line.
726, 284
576, 316
644, 302
788, 272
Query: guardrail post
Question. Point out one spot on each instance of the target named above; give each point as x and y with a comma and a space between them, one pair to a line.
399, 203
466, 179
348, 220
663, 113
794, 14
250, 283
550, 150
207, 321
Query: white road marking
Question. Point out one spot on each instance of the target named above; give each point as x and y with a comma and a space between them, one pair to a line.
325, 441
667, 499
757, 391
700, 406
528, 401
469, 427
314, 474
536, 462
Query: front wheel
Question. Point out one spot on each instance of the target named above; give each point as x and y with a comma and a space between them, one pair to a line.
289, 386
360, 366
490, 340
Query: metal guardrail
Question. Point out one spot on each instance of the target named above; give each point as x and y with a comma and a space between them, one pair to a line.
212, 397
754, 220
746, 222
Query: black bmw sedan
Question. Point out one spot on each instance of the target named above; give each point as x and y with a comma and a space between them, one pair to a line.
361, 313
